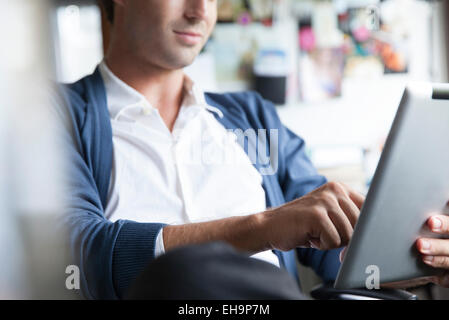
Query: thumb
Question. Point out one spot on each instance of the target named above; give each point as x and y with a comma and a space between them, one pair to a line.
343, 254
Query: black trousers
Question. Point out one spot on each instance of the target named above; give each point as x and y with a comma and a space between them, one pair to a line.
213, 271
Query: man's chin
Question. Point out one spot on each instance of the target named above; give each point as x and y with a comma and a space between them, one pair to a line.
177, 57
183, 61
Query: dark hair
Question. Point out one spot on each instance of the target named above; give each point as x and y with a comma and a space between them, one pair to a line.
108, 6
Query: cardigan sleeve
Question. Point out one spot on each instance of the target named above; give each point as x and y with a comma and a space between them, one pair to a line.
109, 255
297, 177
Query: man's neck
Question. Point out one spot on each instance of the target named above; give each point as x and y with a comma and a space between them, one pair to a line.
162, 88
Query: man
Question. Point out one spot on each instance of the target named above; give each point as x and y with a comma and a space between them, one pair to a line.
136, 120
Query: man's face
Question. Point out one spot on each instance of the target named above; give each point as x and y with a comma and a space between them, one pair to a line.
167, 33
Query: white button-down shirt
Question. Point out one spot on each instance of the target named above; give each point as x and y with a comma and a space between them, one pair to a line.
196, 173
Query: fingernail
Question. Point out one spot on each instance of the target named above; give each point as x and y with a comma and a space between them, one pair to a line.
425, 245
436, 224
428, 259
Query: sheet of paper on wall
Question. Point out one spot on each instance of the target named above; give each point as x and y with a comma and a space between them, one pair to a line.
261, 9
321, 74
322, 60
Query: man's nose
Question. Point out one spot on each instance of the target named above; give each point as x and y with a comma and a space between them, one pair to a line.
197, 9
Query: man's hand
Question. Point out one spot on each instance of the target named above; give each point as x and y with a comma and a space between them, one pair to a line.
435, 252
323, 219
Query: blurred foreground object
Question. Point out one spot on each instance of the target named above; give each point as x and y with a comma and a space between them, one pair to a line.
32, 251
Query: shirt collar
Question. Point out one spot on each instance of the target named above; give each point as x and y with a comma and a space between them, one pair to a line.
121, 96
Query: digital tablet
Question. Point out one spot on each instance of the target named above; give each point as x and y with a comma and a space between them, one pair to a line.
411, 183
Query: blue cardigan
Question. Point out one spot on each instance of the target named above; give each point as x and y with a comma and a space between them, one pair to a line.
111, 255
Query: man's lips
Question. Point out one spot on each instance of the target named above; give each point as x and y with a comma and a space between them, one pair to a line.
189, 33
189, 37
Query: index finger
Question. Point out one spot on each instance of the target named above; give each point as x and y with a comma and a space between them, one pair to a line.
356, 197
